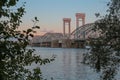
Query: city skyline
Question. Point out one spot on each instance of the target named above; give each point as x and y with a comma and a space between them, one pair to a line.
51, 13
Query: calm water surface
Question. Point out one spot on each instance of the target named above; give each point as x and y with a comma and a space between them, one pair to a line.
67, 64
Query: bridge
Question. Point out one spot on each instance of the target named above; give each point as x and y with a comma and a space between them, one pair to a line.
74, 39
84, 32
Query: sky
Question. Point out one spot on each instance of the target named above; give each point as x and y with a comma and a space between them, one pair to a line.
51, 13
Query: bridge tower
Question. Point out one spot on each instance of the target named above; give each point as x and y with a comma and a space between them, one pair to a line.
80, 17
68, 22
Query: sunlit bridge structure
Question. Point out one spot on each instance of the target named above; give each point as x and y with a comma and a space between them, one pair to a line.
66, 21
48, 40
80, 18
75, 39
84, 32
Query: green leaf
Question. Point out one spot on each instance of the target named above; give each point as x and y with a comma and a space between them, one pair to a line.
31, 35
29, 30
36, 19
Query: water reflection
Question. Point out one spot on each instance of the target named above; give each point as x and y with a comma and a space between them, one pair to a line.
81, 73
67, 65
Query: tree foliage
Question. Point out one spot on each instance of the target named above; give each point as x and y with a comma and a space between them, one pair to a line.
14, 54
105, 52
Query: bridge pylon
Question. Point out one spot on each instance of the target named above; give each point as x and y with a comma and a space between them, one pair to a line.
80, 17
67, 21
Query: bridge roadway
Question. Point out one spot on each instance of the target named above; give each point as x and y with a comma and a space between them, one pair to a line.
60, 40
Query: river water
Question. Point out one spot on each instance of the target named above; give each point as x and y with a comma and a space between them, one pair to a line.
66, 66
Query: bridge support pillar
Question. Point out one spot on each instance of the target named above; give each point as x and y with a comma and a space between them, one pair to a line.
79, 17
67, 20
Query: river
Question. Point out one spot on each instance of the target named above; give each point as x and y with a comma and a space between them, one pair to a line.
66, 66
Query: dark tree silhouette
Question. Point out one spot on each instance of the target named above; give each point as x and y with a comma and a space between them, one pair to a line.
14, 54
105, 52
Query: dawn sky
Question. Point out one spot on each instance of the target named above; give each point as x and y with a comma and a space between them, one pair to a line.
51, 12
